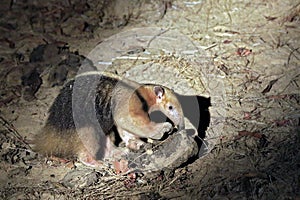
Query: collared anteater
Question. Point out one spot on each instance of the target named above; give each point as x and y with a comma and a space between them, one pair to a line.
90, 106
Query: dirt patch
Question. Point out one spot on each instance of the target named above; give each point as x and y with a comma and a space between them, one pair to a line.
253, 46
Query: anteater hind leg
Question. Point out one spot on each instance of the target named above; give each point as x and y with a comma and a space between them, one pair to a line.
96, 148
88, 159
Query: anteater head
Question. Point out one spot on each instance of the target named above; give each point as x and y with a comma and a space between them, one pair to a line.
167, 102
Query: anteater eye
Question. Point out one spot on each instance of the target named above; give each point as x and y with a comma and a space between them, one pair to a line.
170, 107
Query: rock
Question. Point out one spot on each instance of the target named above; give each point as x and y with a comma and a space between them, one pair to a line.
176, 150
44, 52
80, 178
31, 83
57, 75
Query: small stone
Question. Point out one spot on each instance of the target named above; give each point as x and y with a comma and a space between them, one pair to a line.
149, 140
149, 152
80, 178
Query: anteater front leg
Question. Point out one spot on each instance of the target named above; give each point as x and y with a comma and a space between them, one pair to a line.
132, 140
136, 126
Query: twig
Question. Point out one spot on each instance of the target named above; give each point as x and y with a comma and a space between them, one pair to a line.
155, 36
292, 53
12, 129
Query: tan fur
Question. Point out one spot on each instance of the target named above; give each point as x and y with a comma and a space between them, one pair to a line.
50, 143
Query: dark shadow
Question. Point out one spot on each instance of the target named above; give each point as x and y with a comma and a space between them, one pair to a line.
196, 109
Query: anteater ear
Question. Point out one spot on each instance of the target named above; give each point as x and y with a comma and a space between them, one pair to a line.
159, 91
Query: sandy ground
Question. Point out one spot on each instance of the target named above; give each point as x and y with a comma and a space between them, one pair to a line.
250, 69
